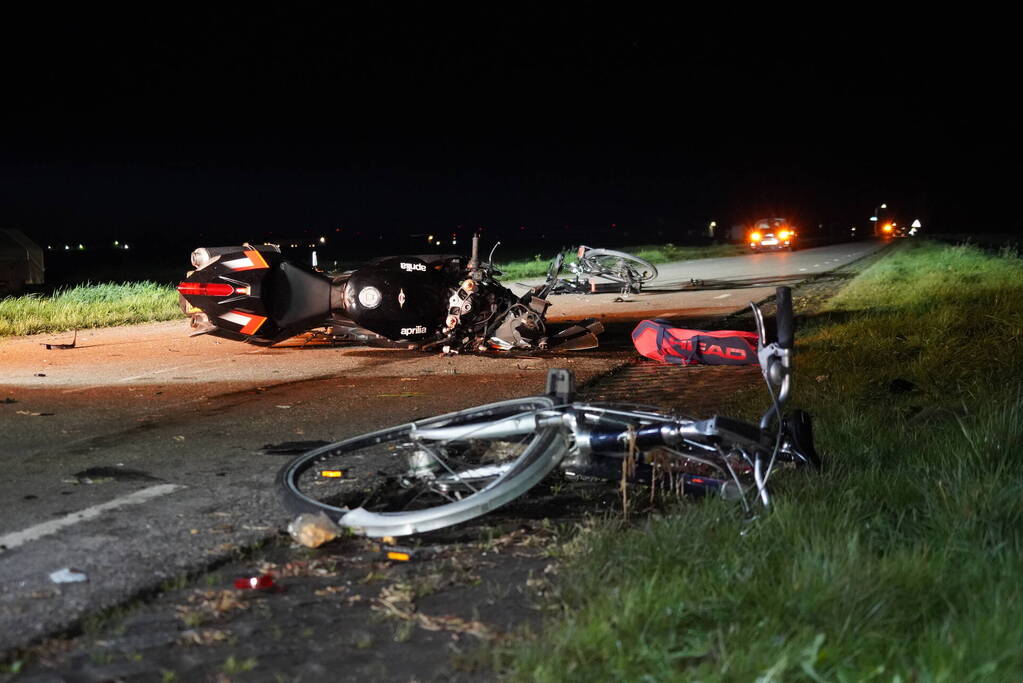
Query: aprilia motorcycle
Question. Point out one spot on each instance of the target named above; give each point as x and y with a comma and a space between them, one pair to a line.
253, 294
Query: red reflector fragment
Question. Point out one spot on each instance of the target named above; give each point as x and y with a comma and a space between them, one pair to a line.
206, 289
260, 583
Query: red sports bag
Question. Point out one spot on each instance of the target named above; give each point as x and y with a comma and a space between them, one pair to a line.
657, 339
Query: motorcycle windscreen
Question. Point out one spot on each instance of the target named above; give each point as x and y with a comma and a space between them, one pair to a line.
400, 298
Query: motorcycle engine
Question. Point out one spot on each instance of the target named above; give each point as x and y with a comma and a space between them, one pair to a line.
487, 315
522, 327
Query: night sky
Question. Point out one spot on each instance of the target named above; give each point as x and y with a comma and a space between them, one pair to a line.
218, 125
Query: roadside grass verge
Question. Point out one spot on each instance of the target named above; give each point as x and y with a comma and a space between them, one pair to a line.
900, 561
85, 306
665, 253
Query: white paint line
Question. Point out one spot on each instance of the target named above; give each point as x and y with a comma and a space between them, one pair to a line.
802, 270
13, 540
722, 296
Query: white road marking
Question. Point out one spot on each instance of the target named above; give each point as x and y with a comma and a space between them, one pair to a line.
722, 296
14, 539
802, 270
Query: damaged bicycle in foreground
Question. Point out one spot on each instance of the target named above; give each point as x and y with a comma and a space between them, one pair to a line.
436, 472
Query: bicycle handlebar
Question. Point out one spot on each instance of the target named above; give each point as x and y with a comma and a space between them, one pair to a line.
784, 317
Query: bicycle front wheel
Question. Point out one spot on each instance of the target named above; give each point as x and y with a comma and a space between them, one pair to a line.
618, 266
431, 473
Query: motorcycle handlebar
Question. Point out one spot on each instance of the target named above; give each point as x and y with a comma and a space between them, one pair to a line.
784, 317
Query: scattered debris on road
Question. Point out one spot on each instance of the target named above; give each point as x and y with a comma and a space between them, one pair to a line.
312, 531
68, 575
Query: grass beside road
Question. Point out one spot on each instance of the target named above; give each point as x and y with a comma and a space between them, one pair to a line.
900, 561
86, 306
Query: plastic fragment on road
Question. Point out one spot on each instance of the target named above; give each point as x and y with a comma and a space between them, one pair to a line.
313, 530
402, 553
68, 575
261, 582
74, 341
397, 554
291, 447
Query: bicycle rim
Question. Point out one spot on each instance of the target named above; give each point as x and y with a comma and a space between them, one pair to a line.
618, 266
427, 474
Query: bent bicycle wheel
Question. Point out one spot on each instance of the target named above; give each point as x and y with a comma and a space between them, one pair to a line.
618, 266
431, 473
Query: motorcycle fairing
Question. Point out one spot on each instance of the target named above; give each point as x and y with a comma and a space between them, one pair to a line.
399, 298
271, 299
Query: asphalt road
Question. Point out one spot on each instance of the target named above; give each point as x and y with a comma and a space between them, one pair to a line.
136, 456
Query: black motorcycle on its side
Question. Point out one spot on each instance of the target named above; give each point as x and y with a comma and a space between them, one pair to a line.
442, 303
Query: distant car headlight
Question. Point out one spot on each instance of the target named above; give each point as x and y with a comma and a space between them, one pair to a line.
756, 237
783, 234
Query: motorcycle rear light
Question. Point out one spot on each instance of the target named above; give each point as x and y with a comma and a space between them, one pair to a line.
206, 288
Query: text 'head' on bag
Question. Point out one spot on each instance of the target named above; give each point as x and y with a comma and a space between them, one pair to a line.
659, 340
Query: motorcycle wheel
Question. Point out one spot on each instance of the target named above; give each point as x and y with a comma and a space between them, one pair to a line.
427, 474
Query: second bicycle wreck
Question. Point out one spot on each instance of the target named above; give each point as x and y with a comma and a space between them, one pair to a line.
431, 303
629, 272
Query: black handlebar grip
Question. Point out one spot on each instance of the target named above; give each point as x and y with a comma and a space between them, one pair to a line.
784, 317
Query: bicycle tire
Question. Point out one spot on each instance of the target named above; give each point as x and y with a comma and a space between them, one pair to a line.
608, 263
454, 484
798, 426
